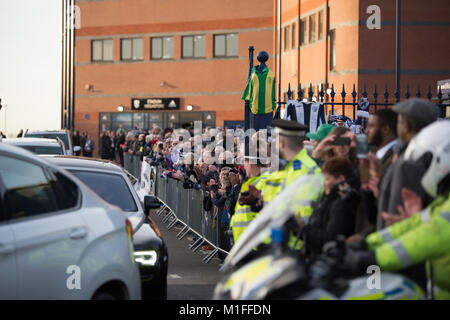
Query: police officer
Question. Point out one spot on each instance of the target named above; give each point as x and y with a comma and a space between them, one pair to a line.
425, 236
291, 136
295, 162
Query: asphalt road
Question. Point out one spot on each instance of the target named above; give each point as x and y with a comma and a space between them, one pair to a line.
189, 278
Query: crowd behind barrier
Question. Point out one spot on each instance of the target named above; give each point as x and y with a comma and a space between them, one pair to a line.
185, 206
180, 206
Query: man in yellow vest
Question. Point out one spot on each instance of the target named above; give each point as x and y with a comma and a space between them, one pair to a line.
257, 173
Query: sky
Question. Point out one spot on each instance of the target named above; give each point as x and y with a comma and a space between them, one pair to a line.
30, 65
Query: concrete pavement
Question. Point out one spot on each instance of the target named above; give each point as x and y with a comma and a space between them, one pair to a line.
189, 278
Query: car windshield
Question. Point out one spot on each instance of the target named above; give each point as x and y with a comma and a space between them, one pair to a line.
110, 187
44, 149
62, 136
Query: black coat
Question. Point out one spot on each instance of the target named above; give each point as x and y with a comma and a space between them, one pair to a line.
332, 216
76, 140
401, 174
119, 141
106, 147
83, 140
233, 196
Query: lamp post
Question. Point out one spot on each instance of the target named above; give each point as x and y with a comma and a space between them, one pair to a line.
4, 111
279, 60
397, 45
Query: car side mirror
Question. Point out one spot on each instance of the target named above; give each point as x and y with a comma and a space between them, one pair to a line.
76, 149
150, 202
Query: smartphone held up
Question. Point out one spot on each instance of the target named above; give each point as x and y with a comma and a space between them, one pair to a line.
362, 146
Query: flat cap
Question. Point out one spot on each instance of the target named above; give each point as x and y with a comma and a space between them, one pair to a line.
289, 128
321, 133
419, 110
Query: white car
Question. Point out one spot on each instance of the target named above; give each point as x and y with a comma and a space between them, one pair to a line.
58, 239
112, 184
39, 146
64, 135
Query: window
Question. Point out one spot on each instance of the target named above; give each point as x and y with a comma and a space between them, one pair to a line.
194, 46
332, 49
63, 136
102, 50
226, 45
2, 213
293, 36
312, 28
132, 49
138, 119
110, 187
162, 48
43, 149
122, 118
321, 25
155, 118
28, 192
67, 192
286, 38
302, 31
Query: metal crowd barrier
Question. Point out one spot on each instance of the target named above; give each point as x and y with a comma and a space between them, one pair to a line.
132, 163
185, 207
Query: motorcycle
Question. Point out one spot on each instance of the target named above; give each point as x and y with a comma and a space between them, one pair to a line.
258, 269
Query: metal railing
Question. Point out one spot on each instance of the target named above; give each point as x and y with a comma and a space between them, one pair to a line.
132, 164
185, 207
346, 103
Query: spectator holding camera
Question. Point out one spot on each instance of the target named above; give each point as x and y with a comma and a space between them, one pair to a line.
334, 213
339, 142
316, 138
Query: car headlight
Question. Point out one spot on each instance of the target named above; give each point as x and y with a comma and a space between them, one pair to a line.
146, 258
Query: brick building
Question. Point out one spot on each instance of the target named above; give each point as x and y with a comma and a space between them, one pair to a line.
176, 55
329, 42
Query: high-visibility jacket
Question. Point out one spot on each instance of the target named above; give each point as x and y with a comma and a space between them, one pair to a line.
300, 165
276, 182
424, 237
260, 91
243, 214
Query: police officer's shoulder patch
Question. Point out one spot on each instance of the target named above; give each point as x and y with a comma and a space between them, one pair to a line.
297, 164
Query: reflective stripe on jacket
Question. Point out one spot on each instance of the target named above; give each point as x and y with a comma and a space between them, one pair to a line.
243, 214
424, 237
300, 165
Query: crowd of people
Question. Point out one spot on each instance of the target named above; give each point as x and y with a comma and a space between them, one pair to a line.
215, 170
363, 194
341, 210
84, 141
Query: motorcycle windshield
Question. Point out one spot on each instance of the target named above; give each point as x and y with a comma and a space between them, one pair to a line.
291, 201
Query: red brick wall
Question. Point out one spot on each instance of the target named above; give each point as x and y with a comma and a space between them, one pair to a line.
210, 84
